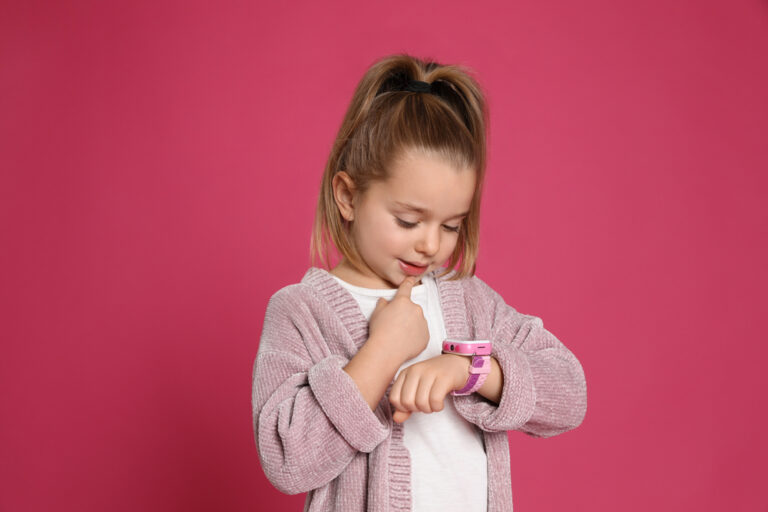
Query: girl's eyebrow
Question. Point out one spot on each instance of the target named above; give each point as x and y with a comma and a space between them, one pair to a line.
424, 211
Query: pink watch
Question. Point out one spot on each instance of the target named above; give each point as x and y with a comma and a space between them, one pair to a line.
479, 368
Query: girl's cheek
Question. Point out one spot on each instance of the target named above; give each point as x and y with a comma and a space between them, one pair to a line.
392, 239
388, 231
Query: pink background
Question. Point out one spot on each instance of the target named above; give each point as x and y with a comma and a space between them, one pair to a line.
159, 169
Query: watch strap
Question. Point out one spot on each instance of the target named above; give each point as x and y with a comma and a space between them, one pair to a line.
479, 368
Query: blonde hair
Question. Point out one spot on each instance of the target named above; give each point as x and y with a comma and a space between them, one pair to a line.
383, 123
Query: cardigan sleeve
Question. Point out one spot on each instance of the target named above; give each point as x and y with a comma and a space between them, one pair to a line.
309, 417
544, 390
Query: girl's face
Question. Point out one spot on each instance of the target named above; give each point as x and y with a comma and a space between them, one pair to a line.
411, 218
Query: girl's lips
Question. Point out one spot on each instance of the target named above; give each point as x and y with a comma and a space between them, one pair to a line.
410, 269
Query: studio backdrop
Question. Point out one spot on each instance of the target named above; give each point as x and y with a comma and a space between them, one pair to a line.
159, 168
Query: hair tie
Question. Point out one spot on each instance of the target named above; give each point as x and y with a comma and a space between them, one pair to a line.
418, 86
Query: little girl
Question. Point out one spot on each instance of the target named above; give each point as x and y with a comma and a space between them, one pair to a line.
356, 399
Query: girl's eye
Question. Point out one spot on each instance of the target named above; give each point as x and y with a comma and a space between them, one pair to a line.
411, 225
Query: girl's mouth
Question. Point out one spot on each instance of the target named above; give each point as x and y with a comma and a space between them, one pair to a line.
410, 269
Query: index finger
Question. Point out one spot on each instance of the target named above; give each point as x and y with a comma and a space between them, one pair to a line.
405, 287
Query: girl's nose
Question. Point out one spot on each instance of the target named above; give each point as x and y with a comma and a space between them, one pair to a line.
429, 242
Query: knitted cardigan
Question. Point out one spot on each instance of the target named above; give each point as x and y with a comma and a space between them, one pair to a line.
315, 432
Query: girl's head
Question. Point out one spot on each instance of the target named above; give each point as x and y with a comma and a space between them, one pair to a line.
396, 147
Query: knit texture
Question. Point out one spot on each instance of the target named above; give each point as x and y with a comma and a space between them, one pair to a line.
315, 432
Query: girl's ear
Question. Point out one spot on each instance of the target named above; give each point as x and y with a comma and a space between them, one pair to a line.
344, 191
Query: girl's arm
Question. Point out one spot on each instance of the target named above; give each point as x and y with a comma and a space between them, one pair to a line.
397, 332
309, 417
423, 386
543, 389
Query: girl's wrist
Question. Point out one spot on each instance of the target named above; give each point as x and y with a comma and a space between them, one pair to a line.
461, 363
380, 352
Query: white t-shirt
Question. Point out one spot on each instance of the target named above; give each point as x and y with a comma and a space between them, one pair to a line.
449, 468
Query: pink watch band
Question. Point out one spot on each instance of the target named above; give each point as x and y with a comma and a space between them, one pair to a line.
479, 369
479, 366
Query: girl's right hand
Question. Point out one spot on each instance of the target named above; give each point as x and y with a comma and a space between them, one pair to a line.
399, 324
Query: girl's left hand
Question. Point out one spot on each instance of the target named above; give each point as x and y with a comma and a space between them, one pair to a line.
423, 386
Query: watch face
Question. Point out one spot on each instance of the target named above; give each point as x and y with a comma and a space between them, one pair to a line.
467, 347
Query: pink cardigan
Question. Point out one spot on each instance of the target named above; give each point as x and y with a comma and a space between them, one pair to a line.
315, 432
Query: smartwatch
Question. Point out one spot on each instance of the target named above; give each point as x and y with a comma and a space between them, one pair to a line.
479, 368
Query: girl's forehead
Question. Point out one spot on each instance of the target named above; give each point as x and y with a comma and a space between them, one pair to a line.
430, 185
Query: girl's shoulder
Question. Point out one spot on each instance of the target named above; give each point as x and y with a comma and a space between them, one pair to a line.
485, 310
291, 293
316, 291
289, 303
